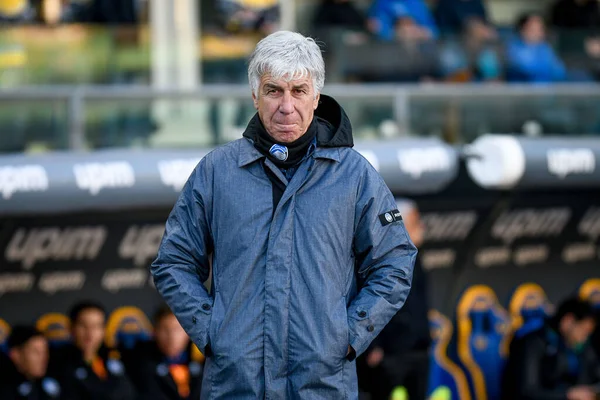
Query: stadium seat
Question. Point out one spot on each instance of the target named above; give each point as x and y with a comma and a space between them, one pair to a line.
4, 332
590, 291
446, 380
126, 327
529, 307
56, 327
12, 8
482, 327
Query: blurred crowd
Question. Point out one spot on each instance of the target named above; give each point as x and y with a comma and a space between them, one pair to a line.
456, 41
35, 366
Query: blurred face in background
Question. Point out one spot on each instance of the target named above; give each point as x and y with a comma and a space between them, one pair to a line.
575, 332
414, 226
534, 30
170, 337
88, 331
31, 359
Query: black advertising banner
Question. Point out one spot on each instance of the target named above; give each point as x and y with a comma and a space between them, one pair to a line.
88, 226
50, 262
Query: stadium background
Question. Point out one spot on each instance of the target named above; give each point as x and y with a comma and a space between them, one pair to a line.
103, 115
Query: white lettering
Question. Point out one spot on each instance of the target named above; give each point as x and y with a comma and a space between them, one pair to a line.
438, 258
576, 252
415, 162
117, 279
61, 281
448, 226
516, 224
490, 256
590, 224
53, 243
141, 243
19, 282
175, 173
531, 254
96, 176
562, 162
26, 178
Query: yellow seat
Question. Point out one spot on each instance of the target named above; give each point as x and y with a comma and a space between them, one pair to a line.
12, 8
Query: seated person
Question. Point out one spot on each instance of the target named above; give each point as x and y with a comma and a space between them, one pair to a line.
530, 58
164, 368
384, 14
555, 361
26, 375
87, 369
251, 16
453, 15
338, 13
472, 58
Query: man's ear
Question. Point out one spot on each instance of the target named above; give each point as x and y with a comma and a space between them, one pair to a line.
255, 100
316, 101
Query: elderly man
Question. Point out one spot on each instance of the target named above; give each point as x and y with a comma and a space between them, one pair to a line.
310, 258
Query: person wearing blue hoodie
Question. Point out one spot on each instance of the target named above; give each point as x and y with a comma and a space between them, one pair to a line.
383, 15
530, 58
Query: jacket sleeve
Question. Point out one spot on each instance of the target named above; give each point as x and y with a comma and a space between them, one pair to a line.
385, 259
182, 263
528, 360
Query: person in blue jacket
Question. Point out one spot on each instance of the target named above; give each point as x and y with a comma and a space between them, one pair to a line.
384, 14
309, 257
530, 58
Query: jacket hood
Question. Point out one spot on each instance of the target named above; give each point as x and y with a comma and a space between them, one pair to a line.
334, 128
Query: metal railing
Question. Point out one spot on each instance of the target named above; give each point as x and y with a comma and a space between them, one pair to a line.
401, 97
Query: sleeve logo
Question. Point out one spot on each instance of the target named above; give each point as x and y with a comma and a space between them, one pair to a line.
390, 217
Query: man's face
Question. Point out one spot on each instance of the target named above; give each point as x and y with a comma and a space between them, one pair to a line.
88, 330
170, 337
414, 227
285, 108
534, 31
577, 332
31, 359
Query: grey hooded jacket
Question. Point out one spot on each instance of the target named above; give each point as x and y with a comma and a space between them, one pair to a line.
292, 286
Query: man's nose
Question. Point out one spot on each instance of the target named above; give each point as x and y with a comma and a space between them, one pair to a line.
287, 103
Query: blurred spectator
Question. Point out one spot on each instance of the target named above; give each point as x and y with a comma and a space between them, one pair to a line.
165, 367
473, 57
251, 16
87, 369
26, 376
399, 356
15, 11
338, 14
530, 58
576, 14
385, 14
453, 15
555, 361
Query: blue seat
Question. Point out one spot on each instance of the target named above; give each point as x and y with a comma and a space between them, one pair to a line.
56, 327
482, 333
126, 327
590, 291
443, 372
529, 307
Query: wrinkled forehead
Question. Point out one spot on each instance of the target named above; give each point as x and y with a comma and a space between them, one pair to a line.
289, 79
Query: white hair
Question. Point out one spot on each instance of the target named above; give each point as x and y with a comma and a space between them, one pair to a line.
287, 55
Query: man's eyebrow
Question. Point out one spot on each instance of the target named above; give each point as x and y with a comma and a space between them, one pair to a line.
301, 86
271, 86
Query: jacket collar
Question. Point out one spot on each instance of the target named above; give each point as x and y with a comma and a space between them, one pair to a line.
248, 153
